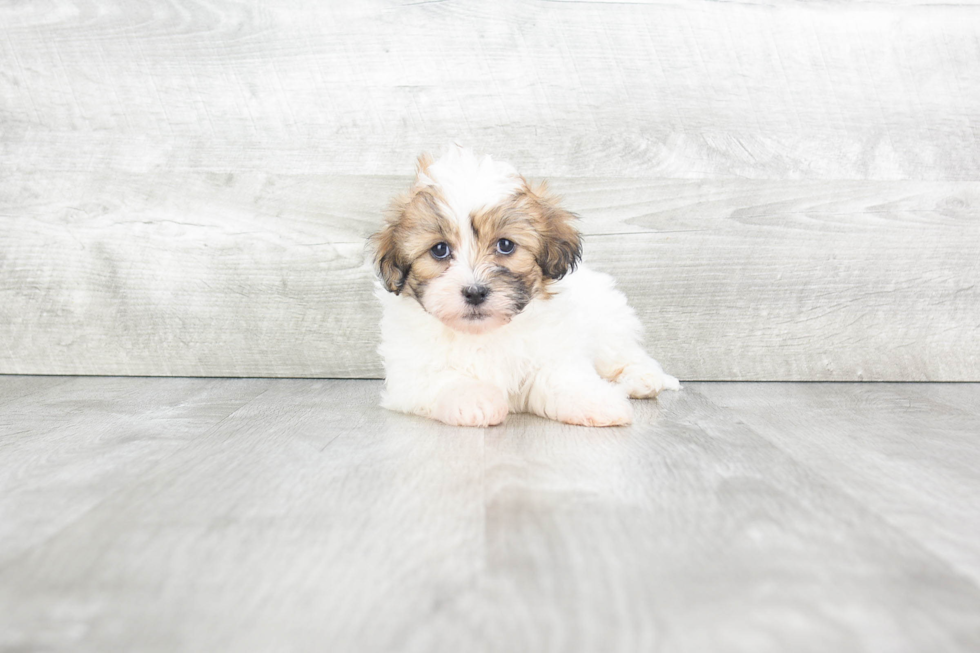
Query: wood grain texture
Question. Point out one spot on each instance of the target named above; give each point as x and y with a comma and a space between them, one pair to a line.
773, 89
304, 514
111, 432
787, 191
924, 438
264, 275
250, 515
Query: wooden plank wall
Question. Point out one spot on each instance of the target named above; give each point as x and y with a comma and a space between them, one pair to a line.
786, 190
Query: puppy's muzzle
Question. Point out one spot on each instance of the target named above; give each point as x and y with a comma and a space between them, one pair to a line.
475, 295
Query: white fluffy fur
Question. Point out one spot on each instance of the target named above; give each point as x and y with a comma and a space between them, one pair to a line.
573, 357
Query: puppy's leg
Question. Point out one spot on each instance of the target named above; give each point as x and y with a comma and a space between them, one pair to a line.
577, 395
637, 374
449, 397
620, 358
469, 402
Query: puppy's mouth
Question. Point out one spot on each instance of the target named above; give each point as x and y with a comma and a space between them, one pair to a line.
478, 321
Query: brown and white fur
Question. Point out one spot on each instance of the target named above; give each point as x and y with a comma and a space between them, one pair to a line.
487, 311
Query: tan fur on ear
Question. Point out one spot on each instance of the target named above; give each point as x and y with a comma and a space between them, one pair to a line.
386, 260
561, 243
411, 219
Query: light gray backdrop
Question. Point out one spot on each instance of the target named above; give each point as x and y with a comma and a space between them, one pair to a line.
785, 190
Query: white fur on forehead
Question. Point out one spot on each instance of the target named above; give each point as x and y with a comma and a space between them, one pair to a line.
469, 183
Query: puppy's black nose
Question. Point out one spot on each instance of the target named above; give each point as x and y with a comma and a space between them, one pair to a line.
475, 295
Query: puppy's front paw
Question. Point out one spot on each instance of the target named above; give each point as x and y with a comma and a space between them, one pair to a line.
645, 381
472, 403
602, 407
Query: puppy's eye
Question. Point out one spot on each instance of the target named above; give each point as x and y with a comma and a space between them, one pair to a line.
505, 246
439, 251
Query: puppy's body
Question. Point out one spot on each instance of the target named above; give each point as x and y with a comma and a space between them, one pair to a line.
505, 321
556, 359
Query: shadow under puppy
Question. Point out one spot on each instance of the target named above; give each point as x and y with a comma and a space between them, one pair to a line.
486, 309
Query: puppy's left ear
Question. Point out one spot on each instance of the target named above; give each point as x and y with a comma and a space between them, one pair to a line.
387, 261
561, 243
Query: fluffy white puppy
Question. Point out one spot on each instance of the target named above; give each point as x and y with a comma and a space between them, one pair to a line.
485, 312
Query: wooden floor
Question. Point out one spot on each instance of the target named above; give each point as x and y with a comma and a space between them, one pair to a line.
294, 515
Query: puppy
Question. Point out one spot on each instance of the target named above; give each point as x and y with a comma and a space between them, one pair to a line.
487, 311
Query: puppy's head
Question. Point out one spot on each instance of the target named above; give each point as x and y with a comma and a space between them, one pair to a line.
473, 242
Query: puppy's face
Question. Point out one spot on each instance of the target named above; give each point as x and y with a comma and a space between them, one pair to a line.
473, 243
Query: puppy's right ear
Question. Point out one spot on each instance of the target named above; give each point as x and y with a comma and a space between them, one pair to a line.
387, 260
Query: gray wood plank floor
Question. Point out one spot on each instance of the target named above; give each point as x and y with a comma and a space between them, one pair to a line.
257, 515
